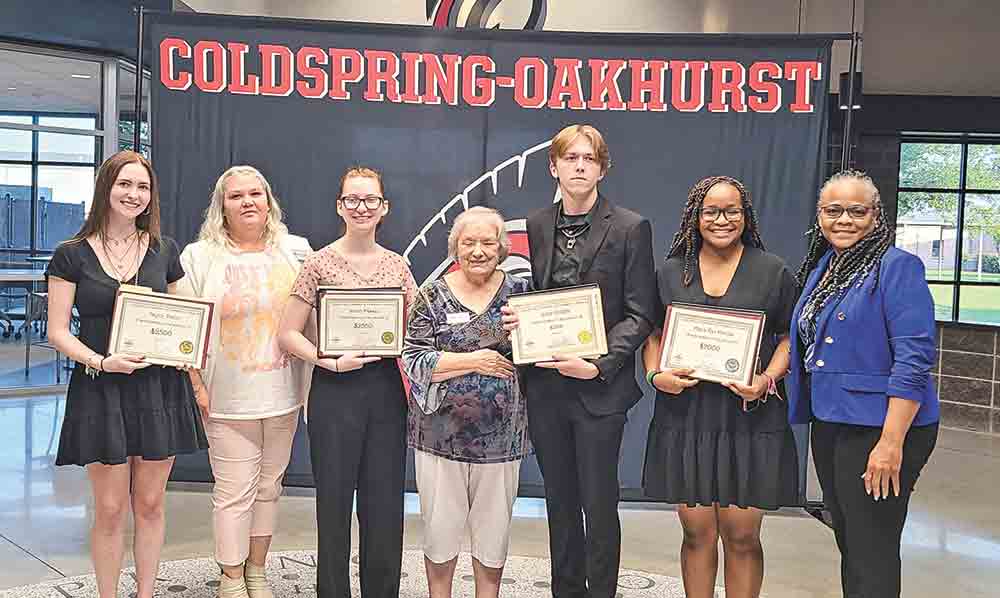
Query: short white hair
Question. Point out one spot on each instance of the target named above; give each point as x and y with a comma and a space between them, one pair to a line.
214, 229
481, 213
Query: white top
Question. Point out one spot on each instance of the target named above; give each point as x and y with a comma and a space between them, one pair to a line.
248, 376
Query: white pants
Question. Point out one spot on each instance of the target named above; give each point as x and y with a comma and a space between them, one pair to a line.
456, 497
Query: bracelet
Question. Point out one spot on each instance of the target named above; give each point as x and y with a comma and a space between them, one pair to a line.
102, 363
90, 370
650, 375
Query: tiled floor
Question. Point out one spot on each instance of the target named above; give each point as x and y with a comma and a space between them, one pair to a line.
952, 539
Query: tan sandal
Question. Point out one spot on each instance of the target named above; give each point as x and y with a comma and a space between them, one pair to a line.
232, 588
256, 581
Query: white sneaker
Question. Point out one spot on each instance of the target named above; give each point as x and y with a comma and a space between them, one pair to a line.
232, 588
256, 581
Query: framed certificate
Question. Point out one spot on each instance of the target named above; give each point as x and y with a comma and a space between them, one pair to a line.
369, 320
720, 345
568, 321
165, 329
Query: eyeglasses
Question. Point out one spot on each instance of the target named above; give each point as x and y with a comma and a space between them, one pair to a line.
710, 214
353, 202
855, 211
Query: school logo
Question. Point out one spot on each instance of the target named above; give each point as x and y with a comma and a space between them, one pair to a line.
487, 14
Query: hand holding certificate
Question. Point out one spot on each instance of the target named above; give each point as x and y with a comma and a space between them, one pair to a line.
163, 329
716, 344
368, 321
567, 322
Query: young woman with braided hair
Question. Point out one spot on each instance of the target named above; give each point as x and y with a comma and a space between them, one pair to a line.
863, 344
723, 453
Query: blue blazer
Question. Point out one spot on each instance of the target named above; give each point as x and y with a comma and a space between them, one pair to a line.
869, 346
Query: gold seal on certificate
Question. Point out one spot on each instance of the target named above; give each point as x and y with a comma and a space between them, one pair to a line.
719, 344
369, 320
567, 321
165, 329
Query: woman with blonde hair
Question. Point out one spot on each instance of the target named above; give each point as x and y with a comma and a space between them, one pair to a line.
250, 391
125, 421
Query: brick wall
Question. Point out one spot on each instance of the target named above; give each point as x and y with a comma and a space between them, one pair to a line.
967, 378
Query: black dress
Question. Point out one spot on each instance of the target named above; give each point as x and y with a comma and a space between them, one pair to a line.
703, 448
150, 413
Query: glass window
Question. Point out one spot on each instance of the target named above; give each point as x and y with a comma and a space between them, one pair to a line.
15, 206
126, 110
15, 144
48, 84
981, 238
943, 300
984, 167
930, 165
938, 181
926, 225
64, 196
979, 304
61, 147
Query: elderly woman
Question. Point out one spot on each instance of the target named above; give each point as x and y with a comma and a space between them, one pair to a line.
468, 425
862, 348
250, 391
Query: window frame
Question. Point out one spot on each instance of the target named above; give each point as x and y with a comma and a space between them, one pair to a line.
962, 191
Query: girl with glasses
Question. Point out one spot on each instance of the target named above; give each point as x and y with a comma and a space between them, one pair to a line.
723, 452
356, 411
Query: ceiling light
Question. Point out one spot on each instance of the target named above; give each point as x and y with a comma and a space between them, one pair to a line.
79, 76
11, 89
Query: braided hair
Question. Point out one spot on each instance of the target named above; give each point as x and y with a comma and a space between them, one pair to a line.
687, 240
854, 263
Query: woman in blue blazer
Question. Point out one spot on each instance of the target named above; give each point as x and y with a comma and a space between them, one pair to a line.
862, 348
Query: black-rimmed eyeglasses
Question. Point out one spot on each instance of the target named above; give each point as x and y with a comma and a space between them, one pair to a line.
353, 202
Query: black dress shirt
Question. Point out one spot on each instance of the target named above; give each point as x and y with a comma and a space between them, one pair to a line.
571, 234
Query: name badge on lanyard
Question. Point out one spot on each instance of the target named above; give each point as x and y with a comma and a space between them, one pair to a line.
458, 318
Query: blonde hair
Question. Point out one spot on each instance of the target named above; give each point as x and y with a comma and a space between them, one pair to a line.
566, 137
214, 229
490, 215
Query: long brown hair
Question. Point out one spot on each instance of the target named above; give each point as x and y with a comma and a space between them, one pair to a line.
100, 207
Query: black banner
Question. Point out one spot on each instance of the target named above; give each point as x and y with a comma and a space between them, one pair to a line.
460, 118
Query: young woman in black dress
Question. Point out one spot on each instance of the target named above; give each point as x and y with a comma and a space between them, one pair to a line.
723, 453
124, 420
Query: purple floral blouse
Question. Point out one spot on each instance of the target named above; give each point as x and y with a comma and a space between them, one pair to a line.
472, 418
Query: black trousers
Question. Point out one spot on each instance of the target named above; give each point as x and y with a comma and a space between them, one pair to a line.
868, 532
578, 455
357, 439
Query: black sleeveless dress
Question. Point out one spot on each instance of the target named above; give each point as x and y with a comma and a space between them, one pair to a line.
150, 413
702, 447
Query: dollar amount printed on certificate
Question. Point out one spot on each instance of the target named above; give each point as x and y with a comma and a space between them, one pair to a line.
165, 329
720, 345
368, 320
567, 321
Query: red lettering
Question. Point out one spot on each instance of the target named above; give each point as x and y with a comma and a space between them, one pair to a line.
203, 52
604, 91
533, 71
304, 60
478, 91
442, 80
678, 84
241, 82
169, 48
378, 75
728, 79
411, 68
803, 73
653, 87
341, 74
567, 84
276, 70
771, 101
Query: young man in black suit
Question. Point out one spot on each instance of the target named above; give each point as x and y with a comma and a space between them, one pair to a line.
576, 407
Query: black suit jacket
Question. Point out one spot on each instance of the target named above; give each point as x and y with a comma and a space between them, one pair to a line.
618, 256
